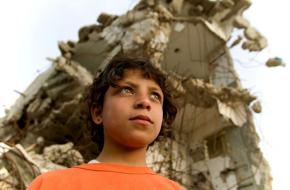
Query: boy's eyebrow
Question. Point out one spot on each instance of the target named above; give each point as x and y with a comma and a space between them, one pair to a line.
131, 84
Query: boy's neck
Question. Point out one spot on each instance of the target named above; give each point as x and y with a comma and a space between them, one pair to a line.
123, 155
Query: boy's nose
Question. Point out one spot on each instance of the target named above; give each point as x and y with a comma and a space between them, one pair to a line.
143, 103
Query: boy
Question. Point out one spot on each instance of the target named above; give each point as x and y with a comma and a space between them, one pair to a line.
129, 107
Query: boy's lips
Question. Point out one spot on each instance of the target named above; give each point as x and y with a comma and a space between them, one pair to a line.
142, 117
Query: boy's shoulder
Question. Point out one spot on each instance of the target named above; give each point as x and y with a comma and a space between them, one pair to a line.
102, 175
51, 179
166, 181
67, 173
68, 178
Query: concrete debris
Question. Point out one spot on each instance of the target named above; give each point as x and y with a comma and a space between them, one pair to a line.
251, 33
106, 19
217, 171
257, 45
227, 3
236, 42
257, 107
25, 165
179, 27
274, 62
144, 33
176, 6
255, 41
66, 47
63, 155
241, 23
197, 88
234, 111
163, 12
213, 143
87, 32
17, 168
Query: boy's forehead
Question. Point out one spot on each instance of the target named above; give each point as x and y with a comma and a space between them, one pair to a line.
136, 72
130, 75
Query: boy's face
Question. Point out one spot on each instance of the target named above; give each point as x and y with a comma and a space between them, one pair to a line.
132, 113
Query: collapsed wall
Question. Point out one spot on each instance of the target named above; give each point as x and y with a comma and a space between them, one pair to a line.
213, 143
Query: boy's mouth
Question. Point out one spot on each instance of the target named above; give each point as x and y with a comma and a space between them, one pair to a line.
142, 117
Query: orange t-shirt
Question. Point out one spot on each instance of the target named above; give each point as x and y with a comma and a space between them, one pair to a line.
103, 176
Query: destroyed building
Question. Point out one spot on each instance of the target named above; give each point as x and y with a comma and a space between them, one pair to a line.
213, 144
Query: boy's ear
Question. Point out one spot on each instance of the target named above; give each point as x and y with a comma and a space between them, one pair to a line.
96, 114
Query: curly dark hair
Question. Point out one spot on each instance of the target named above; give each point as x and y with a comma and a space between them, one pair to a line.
113, 73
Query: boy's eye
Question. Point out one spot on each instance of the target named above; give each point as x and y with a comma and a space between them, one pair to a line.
126, 90
156, 96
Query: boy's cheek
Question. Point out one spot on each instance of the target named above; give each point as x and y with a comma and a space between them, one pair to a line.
160, 117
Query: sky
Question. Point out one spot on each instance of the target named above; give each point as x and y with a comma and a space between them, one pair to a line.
30, 31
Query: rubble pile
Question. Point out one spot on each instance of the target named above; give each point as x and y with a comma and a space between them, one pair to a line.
213, 143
